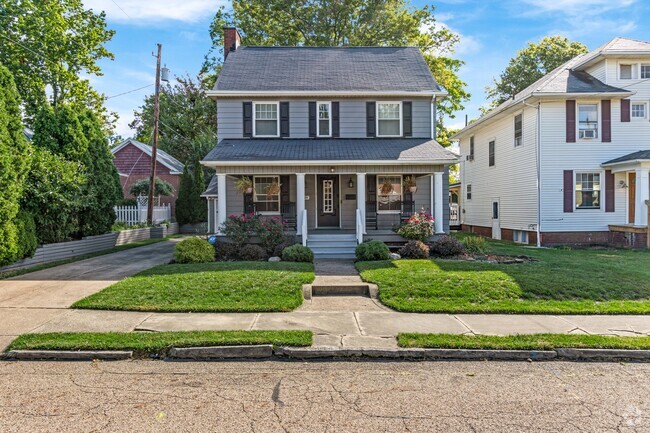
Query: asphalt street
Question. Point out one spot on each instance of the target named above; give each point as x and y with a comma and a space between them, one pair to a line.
274, 396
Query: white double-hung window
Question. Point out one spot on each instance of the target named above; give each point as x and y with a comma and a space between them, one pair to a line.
389, 119
267, 121
324, 119
639, 110
266, 194
389, 194
588, 121
587, 191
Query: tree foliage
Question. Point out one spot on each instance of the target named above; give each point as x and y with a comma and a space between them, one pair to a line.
531, 64
14, 164
344, 22
188, 119
52, 45
191, 208
183, 210
141, 187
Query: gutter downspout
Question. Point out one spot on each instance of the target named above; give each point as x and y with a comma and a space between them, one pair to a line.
538, 164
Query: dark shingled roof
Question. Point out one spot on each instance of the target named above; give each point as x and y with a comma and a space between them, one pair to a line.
384, 69
408, 150
641, 154
211, 190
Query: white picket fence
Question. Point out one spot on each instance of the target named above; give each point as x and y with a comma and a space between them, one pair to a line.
132, 215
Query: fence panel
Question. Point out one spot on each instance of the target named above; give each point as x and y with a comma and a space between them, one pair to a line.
131, 215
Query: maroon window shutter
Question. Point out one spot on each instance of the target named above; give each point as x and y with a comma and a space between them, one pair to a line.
610, 191
607, 120
625, 110
570, 121
568, 191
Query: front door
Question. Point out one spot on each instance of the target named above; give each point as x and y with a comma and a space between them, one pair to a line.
631, 197
328, 201
496, 222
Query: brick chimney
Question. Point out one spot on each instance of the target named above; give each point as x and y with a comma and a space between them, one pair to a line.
231, 40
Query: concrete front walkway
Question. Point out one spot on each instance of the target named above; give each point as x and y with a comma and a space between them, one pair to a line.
30, 301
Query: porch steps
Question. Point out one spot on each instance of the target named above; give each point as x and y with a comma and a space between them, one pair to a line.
332, 246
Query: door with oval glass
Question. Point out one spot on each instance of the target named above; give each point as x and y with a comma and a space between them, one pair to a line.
328, 201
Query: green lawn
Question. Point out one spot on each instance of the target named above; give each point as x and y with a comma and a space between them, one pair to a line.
208, 287
522, 342
604, 281
157, 342
117, 249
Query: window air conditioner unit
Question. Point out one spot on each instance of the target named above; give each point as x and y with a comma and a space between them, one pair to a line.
588, 133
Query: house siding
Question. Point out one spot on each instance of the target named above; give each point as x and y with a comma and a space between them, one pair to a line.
352, 116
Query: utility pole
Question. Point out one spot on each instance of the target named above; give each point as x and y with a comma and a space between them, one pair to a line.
154, 147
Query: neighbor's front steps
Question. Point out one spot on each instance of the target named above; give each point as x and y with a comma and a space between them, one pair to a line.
332, 246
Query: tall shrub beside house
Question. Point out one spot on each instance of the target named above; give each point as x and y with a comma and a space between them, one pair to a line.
191, 208
14, 164
183, 211
199, 204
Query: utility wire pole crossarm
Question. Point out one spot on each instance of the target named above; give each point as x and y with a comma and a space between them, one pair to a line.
154, 147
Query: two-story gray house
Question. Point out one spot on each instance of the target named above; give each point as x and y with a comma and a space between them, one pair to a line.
340, 130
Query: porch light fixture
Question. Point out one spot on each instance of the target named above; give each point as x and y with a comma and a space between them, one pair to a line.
332, 169
622, 184
350, 183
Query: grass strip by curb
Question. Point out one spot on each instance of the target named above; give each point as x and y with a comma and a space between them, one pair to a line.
117, 249
521, 342
143, 343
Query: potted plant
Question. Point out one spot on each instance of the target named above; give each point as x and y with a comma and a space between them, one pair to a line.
273, 189
410, 184
386, 187
244, 185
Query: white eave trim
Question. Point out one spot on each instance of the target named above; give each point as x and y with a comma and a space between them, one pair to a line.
306, 93
628, 162
581, 94
334, 163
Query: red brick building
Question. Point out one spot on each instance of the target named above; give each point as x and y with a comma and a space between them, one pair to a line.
133, 161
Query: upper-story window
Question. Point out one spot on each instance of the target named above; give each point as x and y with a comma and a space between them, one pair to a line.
627, 71
267, 121
588, 121
645, 70
639, 110
324, 124
519, 129
389, 119
491, 153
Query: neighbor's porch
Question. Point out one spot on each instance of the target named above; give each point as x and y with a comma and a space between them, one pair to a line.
333, 201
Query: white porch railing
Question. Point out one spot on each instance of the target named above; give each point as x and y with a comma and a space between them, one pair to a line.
454, 217
131, 215
359, 227
303, 227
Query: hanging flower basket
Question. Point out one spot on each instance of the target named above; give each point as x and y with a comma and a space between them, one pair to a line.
273, 189
410, 184
386, 188
244, 185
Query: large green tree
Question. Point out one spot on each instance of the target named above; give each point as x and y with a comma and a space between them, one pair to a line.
14, 166
531, 64
49, 46
188, 119
345, 22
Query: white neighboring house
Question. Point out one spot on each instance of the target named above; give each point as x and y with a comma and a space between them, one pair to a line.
566, 161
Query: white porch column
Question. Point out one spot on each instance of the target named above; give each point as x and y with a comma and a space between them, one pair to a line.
361, 198
438, 201
221, 200
300, 200
642, 194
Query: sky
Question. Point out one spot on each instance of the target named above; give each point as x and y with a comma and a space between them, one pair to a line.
491, 32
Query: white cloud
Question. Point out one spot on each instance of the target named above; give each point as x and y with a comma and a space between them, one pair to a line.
577, 7
468, 44
139, 11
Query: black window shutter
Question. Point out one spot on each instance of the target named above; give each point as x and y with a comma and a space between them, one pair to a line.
571, 122
407, 118
248, 119
336, 129
249, 205
625, 110
568, 191
285, 192
312, 119
610, 192
370, 119
606, 105
284, 119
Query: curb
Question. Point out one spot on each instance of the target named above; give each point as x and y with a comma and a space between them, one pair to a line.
221, 352
604, 355
69, 355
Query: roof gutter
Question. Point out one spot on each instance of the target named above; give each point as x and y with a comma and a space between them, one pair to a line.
304, 93
323, 162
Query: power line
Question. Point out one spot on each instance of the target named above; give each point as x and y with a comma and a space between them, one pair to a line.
115, 3
130, 91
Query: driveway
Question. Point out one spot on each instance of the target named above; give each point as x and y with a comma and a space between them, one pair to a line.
31, 300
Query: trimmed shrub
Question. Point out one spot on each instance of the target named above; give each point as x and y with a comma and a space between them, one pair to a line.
372, 250
225, 251
419, 227
414, 250
239, 229
297, 253
288, 241
446, 246
475, 244
271, 233
252, 252
194, 250
27, 242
